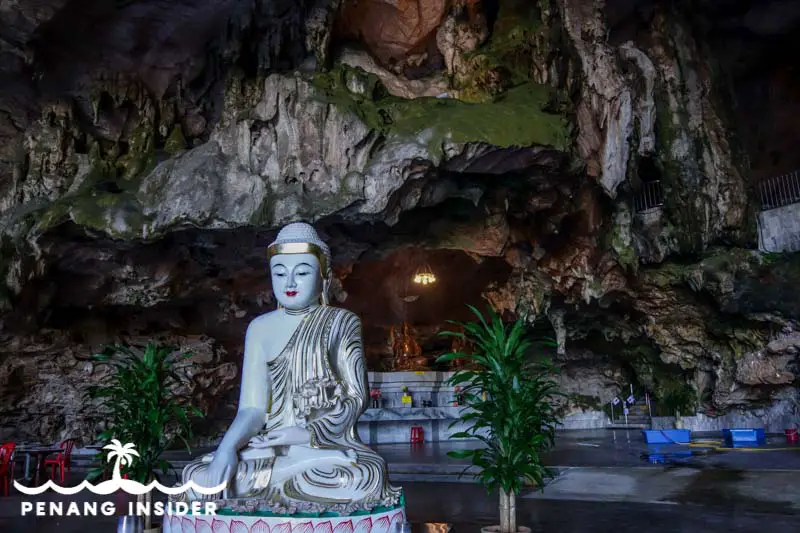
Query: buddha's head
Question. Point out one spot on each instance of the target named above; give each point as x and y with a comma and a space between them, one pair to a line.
300, 266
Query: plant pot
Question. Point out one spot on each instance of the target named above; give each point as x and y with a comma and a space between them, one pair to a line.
496, 529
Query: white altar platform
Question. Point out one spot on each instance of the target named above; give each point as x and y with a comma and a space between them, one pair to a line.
392, 421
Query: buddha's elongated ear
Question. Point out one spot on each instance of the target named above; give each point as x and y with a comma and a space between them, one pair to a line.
326, 283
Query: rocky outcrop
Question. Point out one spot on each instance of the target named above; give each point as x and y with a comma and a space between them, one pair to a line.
503, 148
45, 387
658, 100
396, 33
605, 115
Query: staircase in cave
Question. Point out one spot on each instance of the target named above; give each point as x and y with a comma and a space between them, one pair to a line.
638, 418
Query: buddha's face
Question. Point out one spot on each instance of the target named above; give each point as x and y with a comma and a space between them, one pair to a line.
296, 279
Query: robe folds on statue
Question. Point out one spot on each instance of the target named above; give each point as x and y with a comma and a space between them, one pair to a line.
318, 382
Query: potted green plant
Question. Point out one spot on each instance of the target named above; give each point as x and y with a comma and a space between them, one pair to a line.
145, 409
677, 398
509, 397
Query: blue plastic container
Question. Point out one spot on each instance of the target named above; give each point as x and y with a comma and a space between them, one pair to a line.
667, 436
738, 438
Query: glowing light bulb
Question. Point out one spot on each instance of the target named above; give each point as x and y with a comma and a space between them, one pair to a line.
424, 278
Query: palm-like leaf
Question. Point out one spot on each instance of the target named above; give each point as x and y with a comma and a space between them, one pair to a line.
144, 409
516, 420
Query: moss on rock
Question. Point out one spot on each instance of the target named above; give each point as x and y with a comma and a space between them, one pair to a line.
729, 259
665, 275
679, 177
105, 199
619, 239
139, 157
666, 382
176, 142
516, 118
118, 215
517, 42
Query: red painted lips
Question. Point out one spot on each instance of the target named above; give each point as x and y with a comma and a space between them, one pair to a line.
291, 294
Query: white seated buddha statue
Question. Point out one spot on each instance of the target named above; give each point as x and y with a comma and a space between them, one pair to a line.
293, 443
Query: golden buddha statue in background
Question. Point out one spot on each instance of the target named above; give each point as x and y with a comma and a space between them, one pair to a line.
460, 345
406, 350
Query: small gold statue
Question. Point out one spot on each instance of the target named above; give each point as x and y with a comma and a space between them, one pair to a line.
407, 351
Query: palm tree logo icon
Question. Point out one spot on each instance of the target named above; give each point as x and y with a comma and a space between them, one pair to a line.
124, 455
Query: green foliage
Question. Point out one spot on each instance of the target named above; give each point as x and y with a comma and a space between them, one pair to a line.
518, 117
519, 40
676, 396
510, 402
176, 142
144, 408
515, 118
107, 194
770, 258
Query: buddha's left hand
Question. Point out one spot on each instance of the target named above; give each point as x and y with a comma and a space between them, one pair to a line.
282, 437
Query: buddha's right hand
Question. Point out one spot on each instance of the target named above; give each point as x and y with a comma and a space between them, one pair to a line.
222, 467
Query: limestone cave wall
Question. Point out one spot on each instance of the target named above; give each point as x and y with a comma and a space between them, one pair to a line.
149, 153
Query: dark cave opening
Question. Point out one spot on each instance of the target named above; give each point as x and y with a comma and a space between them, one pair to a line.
648, 170
641, 369
100, 289
383, 294
648, 188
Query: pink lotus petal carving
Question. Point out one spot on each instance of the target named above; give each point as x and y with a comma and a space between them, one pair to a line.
260, 527
187, 526
397, 518
363, 526
282, 528
175, 524
218, 526
201, 526
303, 527
381, 525
237, 526
344, 527
324, 527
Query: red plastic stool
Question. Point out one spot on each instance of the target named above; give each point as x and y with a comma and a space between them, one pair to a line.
417, 434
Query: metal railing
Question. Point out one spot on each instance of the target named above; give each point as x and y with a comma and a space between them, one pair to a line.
649, 196
779, 191
630, 409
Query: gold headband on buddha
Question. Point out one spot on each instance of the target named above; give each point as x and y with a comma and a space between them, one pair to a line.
300, 248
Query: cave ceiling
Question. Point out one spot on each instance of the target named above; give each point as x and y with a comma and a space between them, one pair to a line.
150, 150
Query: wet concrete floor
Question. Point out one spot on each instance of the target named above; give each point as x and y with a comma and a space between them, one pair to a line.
468, 507
585, 448
604, 485
605, 447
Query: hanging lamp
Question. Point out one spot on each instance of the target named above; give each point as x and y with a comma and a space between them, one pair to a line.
424, 276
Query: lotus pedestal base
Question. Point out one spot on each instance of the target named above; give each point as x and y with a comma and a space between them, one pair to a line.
377, 522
